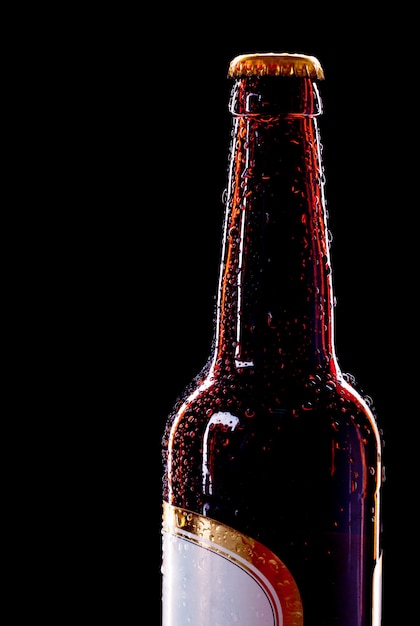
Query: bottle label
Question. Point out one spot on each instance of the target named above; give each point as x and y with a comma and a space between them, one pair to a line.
213, 575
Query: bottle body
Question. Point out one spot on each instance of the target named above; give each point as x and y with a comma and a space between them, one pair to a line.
300, 479
272, 460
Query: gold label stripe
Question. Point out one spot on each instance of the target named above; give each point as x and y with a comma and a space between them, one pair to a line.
242, 550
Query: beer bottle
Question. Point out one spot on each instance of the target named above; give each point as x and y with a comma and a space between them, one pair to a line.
272, 458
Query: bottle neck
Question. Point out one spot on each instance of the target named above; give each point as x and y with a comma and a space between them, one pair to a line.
275, 297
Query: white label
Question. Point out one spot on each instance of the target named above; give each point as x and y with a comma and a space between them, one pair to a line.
201, 587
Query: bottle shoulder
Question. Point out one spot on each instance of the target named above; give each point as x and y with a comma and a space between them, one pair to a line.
233, 442
328, 401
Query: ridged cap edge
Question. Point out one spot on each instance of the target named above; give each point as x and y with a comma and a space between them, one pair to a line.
276, 64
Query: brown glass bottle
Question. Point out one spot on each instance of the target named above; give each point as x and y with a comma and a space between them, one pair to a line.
272, 460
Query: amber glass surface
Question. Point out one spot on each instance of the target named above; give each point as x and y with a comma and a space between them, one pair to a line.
298, 467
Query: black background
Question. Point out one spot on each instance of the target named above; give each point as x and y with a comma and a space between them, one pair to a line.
151, 95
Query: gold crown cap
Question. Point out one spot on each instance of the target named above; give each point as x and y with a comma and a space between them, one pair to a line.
275, 64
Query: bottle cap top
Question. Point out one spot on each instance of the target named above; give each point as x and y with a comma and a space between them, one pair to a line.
275, 64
